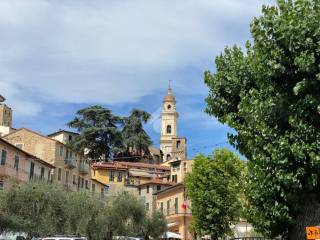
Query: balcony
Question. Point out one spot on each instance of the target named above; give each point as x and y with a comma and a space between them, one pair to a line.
84, 168
175, 213
70, 163
132, 182
9, 171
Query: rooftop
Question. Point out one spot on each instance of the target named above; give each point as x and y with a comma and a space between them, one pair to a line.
127, 165
62, 131
27, 154
169, 97
173, 187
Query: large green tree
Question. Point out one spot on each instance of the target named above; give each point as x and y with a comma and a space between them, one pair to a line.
214, 186
153, 226
270, 95
103, 135
100, 136
135, 138
35, 208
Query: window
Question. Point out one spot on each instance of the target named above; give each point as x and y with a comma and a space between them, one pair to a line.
168, 157
67, 154
169, 107
106, 189
93, 187
158, 187
82, 182
139, 190
169, 129
147, 206
1, 185
111, 176
178, 144
87, 184
42, 173
94, 172
119, 176
176, 205
3, 157
79, 181
174, 178
168, 207
185, 166
102, 192
70, 138
74, 179
147, 188
161, 207
16, 163
59, 174
67, 176
31, 170
49, 175
61, 151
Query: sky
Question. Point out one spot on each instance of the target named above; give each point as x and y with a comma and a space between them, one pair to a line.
60, 56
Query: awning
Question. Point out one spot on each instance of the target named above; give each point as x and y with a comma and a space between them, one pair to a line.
135, 173
171, 235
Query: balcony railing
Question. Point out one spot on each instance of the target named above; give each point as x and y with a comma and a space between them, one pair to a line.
132, 182
70, 163
84, 168
173, 211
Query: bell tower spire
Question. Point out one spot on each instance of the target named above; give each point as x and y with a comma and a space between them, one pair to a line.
169, 117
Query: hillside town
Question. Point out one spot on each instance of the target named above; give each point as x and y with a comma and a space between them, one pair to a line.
96, 145
27, 155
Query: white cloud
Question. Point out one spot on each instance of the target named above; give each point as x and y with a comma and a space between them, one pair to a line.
112, 51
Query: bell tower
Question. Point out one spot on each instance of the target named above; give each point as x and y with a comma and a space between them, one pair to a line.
169, 117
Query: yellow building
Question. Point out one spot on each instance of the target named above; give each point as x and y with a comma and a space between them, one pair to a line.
71, 169
127, 176
111, 174
177, 209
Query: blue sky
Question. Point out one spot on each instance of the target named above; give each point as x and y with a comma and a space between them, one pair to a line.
59, 56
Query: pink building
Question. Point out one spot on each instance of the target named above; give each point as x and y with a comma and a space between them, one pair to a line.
20, 166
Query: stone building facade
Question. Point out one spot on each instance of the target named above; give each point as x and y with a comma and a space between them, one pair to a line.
71, 168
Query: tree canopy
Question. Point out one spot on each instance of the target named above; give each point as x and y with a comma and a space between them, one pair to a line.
270, 95
214, 189
133, 135
41, 209
104, 135
99, 133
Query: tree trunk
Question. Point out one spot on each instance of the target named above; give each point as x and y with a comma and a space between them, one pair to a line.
309, 216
